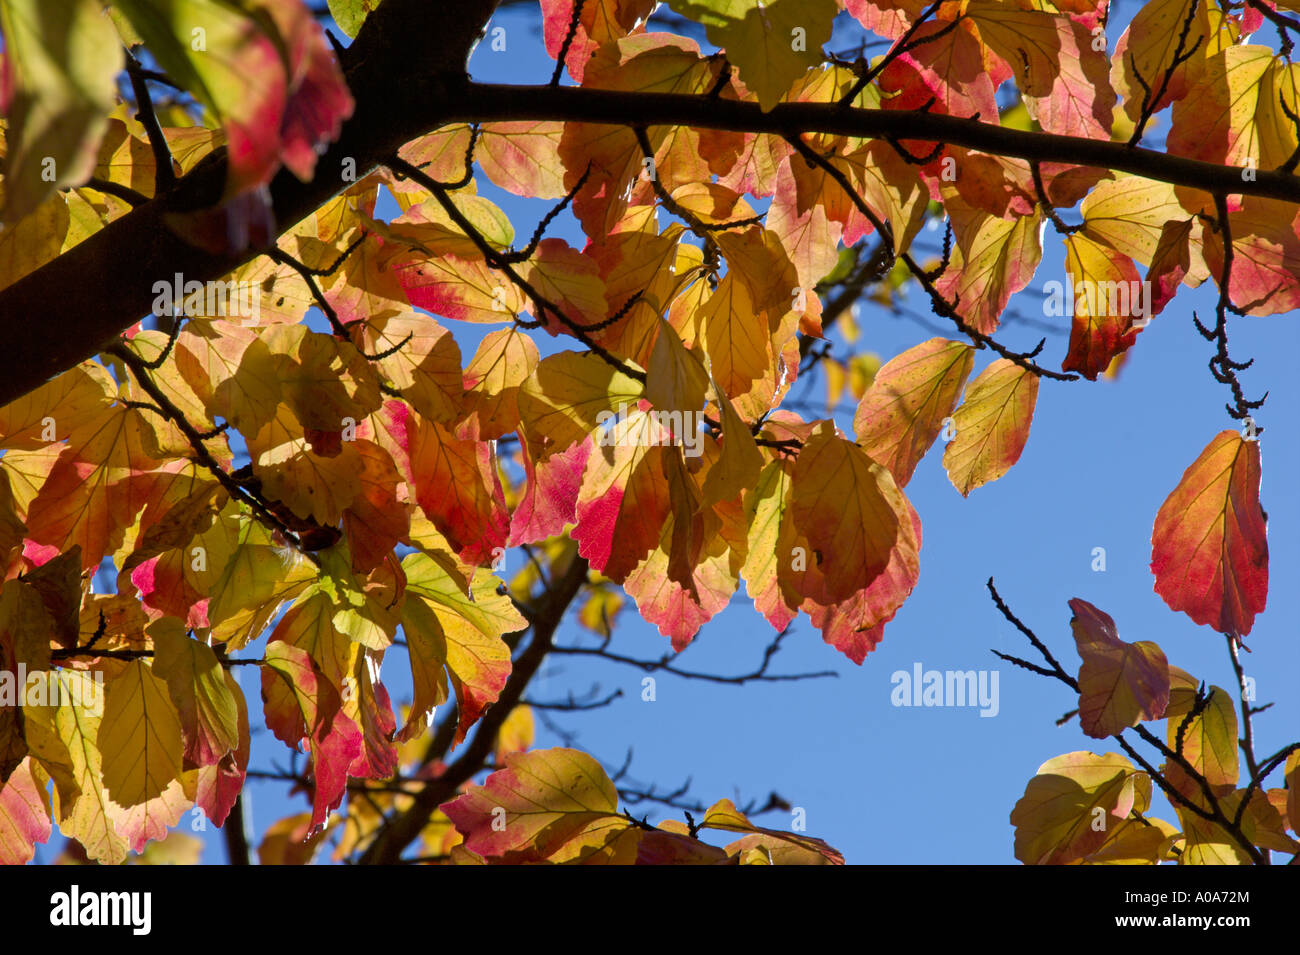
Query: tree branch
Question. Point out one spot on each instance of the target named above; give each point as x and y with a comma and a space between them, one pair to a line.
103, 285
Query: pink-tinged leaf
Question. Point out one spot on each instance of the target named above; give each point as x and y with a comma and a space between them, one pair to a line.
219, 785
312, 709
334, 747
150, 820
849, 509
450, 277
856, 626
1266, 260
809, 235
1108, 298
455, 635
369, 707
24, 815
95, 490
319, 100
570, 280
680, 607
904, 409
271, 80
1063, 79
198, 686
599, 22
624, 501
378, 518
523, 158
992, 259
291, 695
1171, 263
950, 68
1120, 684
886, 18
457, 485
550, 497
1209, 547
542, 800
723, 815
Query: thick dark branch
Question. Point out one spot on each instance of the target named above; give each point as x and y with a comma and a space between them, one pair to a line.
104, 285
236, 838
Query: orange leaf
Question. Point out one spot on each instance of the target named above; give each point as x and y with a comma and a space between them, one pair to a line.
849, 509
904, 409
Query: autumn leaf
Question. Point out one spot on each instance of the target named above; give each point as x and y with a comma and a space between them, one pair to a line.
457, 486
991, 425
1055, 818
57, 102
350, 14
1153, 39
492, 379
1208, 737
848, 508
1120, 684
725, 816
1108, 299
65, 740
271, 81
1209, 546
907, 403
560, 402
140, 736
540, 802
454, 636
992, 259
772, 44
24, 815
1062, 76
197, 686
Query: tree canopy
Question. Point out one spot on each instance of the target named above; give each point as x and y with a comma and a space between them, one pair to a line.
234, 387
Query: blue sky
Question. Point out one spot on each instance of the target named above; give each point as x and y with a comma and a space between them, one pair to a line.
888, 784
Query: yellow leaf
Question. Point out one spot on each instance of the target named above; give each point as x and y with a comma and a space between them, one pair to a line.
992, 425
140, 736
1072, 802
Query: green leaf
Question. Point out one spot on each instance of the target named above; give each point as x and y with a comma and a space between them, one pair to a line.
771, 44
64, 56
350, 14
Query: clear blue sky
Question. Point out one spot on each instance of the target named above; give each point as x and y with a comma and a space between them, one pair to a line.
936, 785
